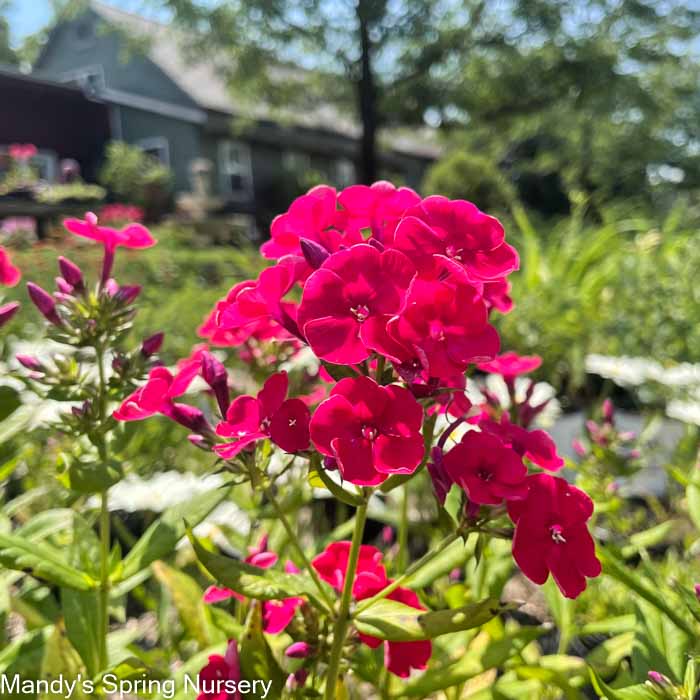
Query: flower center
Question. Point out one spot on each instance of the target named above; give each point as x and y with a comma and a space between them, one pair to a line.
556, 532
484, 474
454, 252
437, 332
292, 422
360, 312
369, 432
265, 424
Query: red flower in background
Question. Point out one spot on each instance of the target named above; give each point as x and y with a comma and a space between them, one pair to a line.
9, 274
22, 151
510, 364
248, 419
372, 431
349, 300
486, 469
444, 324
370, 578
440, 232
551, 534
218, 670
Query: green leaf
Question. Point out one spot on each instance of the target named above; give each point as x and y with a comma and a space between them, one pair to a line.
80, 614
481, 655
649, 538
693, 496
256, 657
60, 660
318, 473
10, 401
254, 582
187, 597
15, 423
162, 536
607, 656
632, 692
43, 562
454, 556
94, 477
649, 591
338, 372
396, 622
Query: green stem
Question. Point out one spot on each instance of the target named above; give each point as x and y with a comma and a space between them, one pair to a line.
297, 546
425, 559
104, 579
103, 613
402, 559
343, 620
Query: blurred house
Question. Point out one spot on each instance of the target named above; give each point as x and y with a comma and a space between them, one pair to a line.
181, 110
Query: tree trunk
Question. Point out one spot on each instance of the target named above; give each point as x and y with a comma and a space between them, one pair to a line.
367, 97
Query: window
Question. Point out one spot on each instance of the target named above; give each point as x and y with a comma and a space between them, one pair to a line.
296, 162
156, 147
235, 169
90, 78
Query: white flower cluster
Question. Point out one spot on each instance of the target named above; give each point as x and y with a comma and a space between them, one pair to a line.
682, 379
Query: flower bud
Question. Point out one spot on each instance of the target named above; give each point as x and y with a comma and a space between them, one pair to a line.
314, 253
579, 447
297, 679
63, 287
608, 411
439, 476
216, 376
71, 273
44, 302
192, 418
387, 535
128, 293
151, 345
30, 362
696, 588
7, 311
298, 650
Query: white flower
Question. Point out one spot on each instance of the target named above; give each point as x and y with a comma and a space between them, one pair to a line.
158, 493
685, 411
624, 371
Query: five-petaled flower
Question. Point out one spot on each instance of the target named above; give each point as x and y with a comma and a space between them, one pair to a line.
349, 300
131, 236
372, 431
269, 414
486, 469
444, 325
551, 534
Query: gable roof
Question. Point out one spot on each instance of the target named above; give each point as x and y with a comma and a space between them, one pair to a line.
203, 81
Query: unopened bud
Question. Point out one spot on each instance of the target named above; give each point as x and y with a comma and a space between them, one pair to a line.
696, 588
151, 345
63, 287
216, 376
314, 253
128, 293
297, 679
71, 273
30, 362
7, 311
608, 411
387, 534
298, 650
192, 418
44, 302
